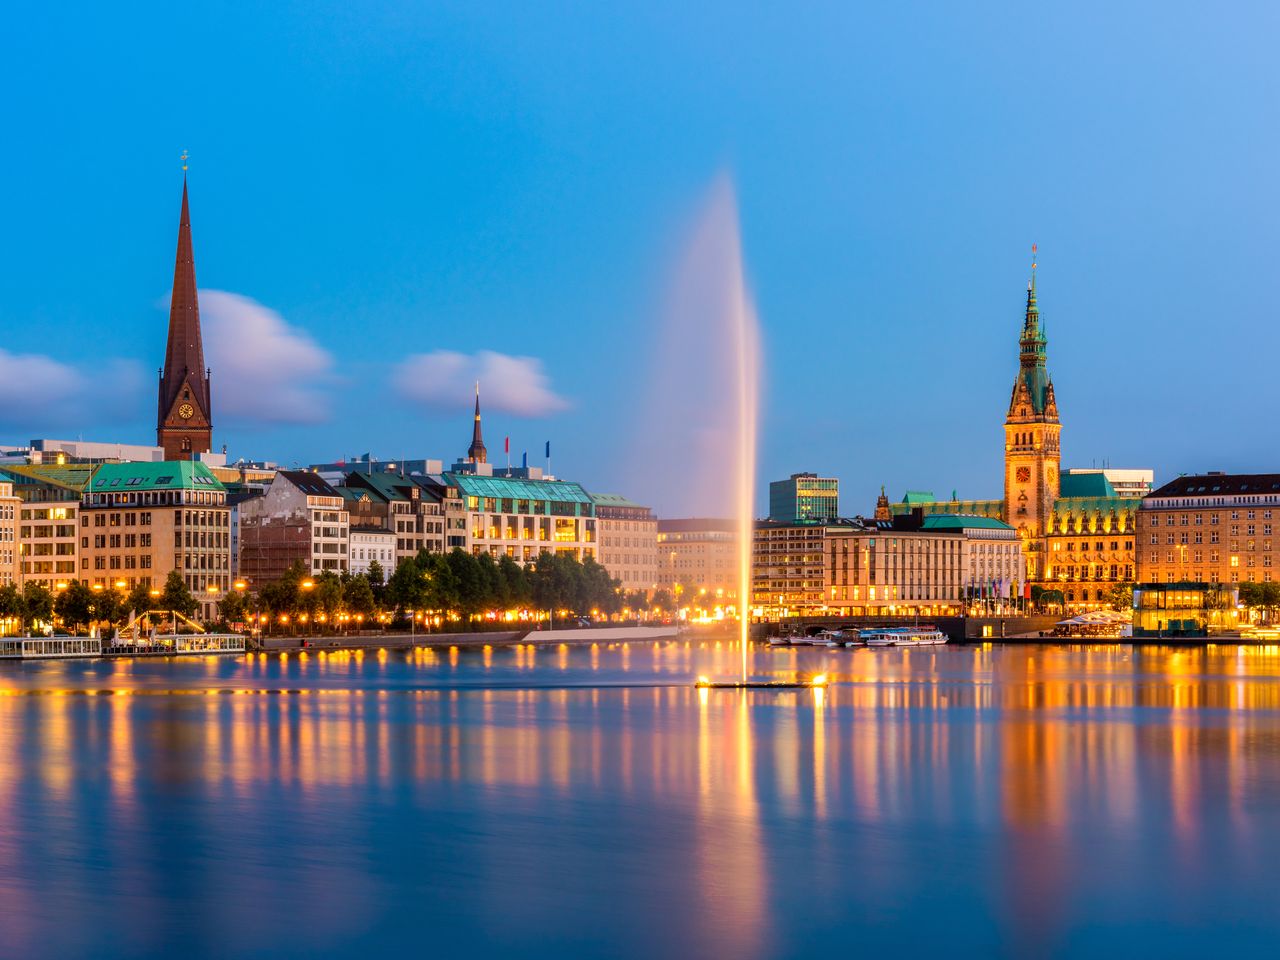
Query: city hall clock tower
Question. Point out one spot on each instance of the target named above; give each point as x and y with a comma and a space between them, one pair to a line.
184, 425
1031, 438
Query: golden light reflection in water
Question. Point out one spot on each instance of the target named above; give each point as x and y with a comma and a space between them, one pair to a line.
1036, 746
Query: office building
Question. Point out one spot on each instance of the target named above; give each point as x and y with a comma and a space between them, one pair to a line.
628, 539
804, 497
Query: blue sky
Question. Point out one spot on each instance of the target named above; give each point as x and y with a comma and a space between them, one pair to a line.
372, 183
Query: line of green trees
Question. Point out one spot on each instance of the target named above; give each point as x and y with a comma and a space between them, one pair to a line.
457, 583
79, 605
469, 584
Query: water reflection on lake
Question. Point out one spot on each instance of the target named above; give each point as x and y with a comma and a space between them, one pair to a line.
972, 800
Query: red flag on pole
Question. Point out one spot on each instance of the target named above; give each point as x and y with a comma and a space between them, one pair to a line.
506, 445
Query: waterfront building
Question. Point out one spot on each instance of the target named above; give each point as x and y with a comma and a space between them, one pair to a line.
921, 564
139, 521
524, 519
1076, 527
9, 508
803, 497
300, 517
414, 509
184, 424
1088, 548
1213, 528
628, 535
698, 555
370, 544
48, 540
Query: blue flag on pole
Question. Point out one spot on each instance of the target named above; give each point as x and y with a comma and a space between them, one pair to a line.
548, 448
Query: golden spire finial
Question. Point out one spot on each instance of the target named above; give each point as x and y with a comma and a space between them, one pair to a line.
185, 155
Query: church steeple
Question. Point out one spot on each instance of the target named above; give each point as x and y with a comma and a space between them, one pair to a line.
476, 453
184, 424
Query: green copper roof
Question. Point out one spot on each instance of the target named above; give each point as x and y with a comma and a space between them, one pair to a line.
1033, 372
615, 500
1084, 485
918, 496
981, 508
165, 475
953, 521
560, 491
73, 477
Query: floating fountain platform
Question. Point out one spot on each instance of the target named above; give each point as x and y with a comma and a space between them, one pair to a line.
704, 683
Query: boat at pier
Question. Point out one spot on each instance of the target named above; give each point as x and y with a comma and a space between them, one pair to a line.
903, 637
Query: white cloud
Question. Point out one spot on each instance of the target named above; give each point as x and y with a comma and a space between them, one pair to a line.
444, 380
264, 370
40, 393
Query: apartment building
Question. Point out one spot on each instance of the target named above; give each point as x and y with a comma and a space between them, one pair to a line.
300, 517
139, 521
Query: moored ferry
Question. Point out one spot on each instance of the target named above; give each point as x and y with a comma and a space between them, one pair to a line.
902, 637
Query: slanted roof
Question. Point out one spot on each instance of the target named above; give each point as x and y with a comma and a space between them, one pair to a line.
393, 486
73, 477
979, 508
164, 475
560, 491
357, 494
1219, 484
918, 497
1071, 485
615, 500
957, 521
312, 484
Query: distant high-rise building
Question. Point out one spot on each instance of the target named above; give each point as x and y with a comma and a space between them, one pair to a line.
184, 424
803, 497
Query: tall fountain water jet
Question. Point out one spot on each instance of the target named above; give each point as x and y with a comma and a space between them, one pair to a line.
705, 391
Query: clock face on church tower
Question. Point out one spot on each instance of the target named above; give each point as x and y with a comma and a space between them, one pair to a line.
1024, 474
186, 411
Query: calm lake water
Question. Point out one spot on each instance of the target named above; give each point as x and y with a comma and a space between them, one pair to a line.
586, 801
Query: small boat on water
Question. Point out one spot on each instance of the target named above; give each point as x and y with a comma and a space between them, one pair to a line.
903, 637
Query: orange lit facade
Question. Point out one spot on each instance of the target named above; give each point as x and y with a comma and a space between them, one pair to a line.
139, 521
1076, 530
9, 507
1212, 528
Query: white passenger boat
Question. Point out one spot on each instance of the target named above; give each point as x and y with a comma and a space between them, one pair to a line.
49, 648
903, 637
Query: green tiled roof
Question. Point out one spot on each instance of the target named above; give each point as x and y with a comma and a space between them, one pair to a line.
560, 491
165, 475
954, 521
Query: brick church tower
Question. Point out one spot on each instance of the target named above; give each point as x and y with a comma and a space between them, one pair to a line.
184, 425
1032, 451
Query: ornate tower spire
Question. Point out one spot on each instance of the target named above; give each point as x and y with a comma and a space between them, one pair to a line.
477, 453
1032, 437
184, 424
883, 510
